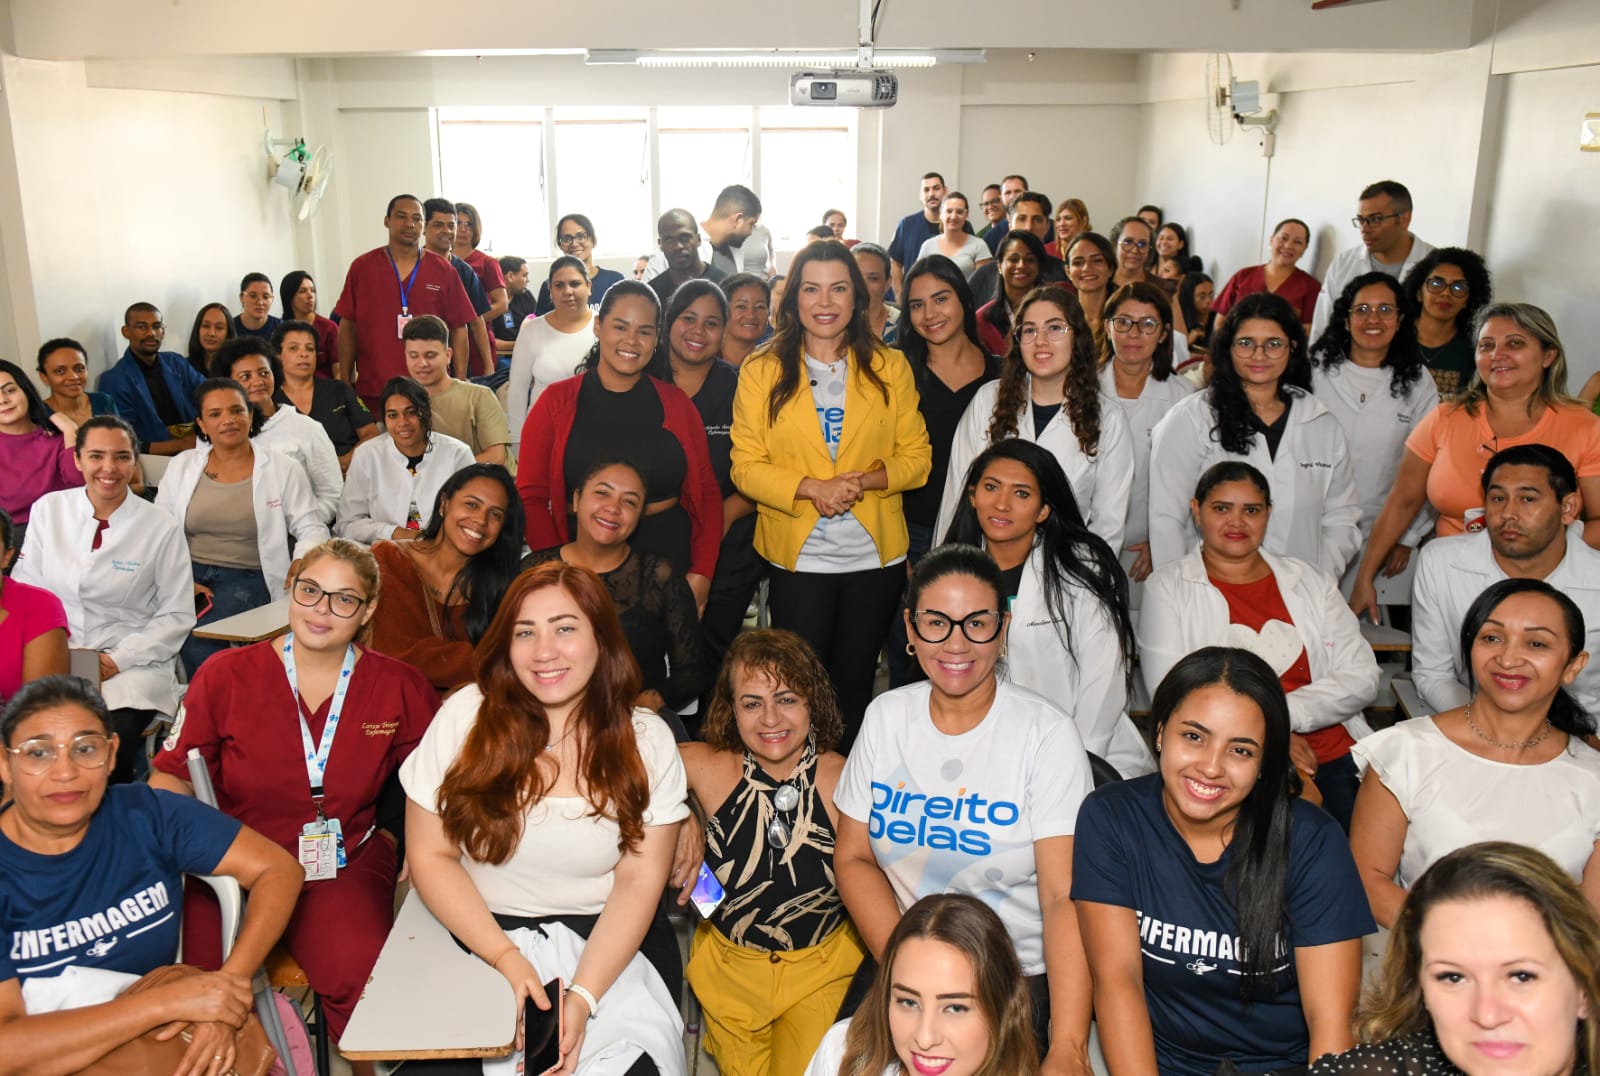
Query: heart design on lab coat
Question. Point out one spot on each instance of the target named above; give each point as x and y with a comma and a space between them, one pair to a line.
1277, 643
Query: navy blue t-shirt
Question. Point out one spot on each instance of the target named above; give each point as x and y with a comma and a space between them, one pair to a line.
1126, 852
114, 901
914, 230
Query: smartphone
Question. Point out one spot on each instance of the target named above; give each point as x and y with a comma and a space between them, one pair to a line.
541, 1032
202, 604
707, 892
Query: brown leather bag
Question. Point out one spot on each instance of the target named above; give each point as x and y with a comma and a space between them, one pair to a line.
149, 1056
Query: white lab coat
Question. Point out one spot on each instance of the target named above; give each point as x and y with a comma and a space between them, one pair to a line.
1315, 513
304, 440
1183, 612
1088, 683
133, 598
283, 502
1155, 400
1345, 267
1376, 429
1451, 573
380, 489
1101, 483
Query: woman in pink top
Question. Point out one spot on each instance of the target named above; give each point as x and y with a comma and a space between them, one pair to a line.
36, 445
33, 625
1517, 397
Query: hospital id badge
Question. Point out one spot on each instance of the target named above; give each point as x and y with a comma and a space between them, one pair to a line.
400, 321
319, 851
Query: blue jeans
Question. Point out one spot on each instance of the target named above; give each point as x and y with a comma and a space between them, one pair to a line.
233, 590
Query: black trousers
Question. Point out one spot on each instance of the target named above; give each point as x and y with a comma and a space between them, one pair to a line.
132, 764
844, 616
740, 570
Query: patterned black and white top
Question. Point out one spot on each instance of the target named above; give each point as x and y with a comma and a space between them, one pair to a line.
777, 899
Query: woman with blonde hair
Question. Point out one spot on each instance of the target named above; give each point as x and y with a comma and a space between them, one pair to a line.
1495, 959
948, 998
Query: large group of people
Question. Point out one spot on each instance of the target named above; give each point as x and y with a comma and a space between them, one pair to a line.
1036, 470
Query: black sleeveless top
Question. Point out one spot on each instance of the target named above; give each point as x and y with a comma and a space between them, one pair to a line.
776, 899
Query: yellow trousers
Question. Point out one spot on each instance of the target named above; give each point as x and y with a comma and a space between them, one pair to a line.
765, 1013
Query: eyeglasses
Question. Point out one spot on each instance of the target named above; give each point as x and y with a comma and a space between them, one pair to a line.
933, 626
1365, 310
340, 604
1274, 346
1135, 244
1439, 285
1055, 332
573, 237
1374, 220
88, 751
989, 203
1146, 326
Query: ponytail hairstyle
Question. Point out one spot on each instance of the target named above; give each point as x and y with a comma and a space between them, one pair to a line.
1073, 555
687, 294
622, 289
1565, 713
1259, 865
1082, 405
495, 779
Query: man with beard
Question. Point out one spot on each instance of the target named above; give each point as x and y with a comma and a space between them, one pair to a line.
154, 389
733, 220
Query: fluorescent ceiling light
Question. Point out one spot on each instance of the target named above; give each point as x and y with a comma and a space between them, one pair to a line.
782, 58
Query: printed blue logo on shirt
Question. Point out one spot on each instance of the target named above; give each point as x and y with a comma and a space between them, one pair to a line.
915, 818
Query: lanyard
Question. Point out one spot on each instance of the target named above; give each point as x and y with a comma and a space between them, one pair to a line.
405, 285
317, 756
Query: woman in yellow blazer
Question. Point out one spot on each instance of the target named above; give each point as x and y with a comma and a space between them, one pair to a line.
826, 436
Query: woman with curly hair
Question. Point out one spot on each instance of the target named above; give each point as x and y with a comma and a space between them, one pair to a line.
1443, 294
948, 998
1517, 953
1259, 409
1049, 393
541, 812
771, 964
1367, 369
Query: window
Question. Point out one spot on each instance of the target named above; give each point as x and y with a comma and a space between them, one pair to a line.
603, 171
494, 158
622, 166
808, 166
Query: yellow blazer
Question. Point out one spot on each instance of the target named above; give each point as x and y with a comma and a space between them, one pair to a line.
770, 459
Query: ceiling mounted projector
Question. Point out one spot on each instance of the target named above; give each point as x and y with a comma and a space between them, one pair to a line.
852, 88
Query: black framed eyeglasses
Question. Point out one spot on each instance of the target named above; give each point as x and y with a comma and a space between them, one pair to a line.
935, 626
340, 603
1146, 326
573, 237
1374, 219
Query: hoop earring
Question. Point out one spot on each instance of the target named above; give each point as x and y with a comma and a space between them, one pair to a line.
911, 649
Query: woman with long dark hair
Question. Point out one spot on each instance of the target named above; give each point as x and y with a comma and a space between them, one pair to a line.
1443, 294
213, 327
1510, 765
1065, 590
1221, 914
614, 407
541, 813
441, 588
1229, 591
966, 732
1137, 372
1259, 409
1196, 298
1367, 370
826, 438
1091, 260
1020, 258
1049, 393
946, 947
298, 293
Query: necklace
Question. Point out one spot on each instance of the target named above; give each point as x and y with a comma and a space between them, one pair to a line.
1520, 745
555, 743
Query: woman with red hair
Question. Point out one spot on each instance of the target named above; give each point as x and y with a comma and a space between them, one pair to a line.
541, 814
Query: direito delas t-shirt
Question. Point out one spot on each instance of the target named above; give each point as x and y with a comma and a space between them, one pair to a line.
113, 902
1128, 853
960, 814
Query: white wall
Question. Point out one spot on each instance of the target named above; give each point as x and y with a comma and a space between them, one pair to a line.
132, 195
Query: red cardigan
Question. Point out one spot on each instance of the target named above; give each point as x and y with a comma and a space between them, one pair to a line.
541, 470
